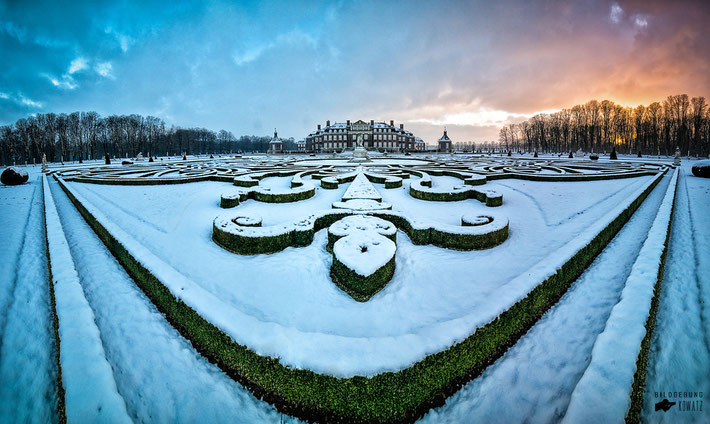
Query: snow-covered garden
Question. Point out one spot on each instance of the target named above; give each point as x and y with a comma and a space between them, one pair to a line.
445, 288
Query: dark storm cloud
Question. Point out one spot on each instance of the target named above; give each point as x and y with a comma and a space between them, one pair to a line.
249, 67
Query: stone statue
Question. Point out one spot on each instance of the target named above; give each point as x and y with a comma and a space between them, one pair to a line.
360, 153
676, 160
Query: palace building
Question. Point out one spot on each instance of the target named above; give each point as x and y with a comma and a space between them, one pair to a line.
375, 136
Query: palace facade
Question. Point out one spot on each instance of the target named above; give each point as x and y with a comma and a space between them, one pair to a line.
375, 136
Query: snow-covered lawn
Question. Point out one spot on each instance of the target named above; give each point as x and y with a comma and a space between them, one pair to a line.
28, 391
284, 304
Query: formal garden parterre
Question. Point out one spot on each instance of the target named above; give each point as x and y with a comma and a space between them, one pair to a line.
245, 263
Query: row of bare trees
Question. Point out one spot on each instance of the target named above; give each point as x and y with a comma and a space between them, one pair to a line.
679, 121
86, 135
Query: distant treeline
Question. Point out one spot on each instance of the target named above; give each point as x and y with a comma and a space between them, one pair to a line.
658, 128
86, 135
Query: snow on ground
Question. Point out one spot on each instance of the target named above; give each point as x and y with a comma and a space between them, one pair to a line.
158, 373
533, 381
285, 304
680, 349
27, 352
16, 202
603, 393
90, 389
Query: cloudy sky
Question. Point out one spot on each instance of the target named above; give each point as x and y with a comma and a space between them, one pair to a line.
251, 66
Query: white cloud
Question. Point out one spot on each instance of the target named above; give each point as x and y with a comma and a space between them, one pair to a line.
29, 102
291, 38
482, 116
123, 40
66, 82
640, 21
20, 99
616, 13
77, 65
249, 55
104, 69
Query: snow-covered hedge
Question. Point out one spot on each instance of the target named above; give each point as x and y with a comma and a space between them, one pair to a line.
401, 396
360, 223
249, 240
362, 205
245, 181
329, 183
268, 195
363, 262
421, 189
390, 181
612, 387
233, 198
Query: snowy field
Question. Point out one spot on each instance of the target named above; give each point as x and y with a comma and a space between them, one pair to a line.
285, 305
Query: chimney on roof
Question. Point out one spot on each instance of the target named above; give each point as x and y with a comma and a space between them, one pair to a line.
318, 127
391, 123
401, 126
327, 123
372, 122
348, 122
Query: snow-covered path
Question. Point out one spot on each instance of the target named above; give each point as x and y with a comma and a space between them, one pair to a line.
28, 392
680, 349
533, 381
159, 375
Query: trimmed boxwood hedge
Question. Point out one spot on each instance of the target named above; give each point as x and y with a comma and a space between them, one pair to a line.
401, 396
633, 415
454, 195
393, 182
332, 238
248, 243
358, 287
229, 201
286, 197
329, 183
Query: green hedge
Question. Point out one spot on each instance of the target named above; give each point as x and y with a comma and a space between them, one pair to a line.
401, 396
358, 287
292, 196
455, 195
245, 183
229, 201
246, 244
468, 241
329, 183
393, 183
